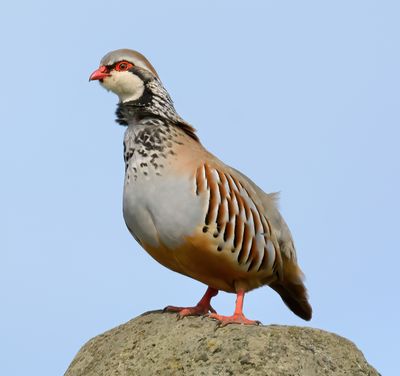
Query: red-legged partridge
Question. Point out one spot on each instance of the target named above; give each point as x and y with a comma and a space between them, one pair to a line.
186, 208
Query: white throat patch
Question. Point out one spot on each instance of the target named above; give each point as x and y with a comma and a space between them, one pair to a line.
126, 85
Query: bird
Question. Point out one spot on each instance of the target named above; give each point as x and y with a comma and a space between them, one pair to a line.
190, 211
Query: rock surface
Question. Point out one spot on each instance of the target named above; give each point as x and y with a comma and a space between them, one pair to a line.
158, 344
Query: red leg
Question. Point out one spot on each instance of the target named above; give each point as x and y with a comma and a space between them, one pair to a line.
202, 307
238, 317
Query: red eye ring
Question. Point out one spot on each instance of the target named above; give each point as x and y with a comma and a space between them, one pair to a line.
123, 66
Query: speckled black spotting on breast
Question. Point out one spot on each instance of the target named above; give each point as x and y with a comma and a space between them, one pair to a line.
151, 147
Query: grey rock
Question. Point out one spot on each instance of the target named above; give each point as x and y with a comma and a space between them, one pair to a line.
157, 343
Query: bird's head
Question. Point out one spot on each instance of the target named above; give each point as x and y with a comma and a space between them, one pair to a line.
130, 75
125, 72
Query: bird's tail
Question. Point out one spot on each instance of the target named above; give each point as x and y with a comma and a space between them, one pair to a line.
292, 290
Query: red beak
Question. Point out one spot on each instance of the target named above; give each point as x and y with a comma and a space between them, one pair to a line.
99, 74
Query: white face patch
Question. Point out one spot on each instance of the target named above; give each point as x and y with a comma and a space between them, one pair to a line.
126, 85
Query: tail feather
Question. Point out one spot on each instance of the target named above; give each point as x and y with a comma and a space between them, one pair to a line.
292, 290
294, 296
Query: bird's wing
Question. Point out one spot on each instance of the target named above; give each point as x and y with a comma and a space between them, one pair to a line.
289, 284
236, 217
270, 208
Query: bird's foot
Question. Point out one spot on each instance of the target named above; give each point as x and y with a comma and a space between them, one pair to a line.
237, 318
198, 310
202, 308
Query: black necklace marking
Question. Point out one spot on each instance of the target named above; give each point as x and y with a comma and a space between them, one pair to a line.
155, 102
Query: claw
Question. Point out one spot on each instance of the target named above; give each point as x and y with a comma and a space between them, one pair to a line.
179, 317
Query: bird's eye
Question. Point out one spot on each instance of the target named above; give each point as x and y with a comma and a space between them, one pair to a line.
123, 66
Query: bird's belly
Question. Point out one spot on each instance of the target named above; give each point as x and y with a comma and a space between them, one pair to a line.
161, 212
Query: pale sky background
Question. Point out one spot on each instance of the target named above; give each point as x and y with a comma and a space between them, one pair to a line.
302, 96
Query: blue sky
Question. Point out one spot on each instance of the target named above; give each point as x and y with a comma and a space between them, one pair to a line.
303, 97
